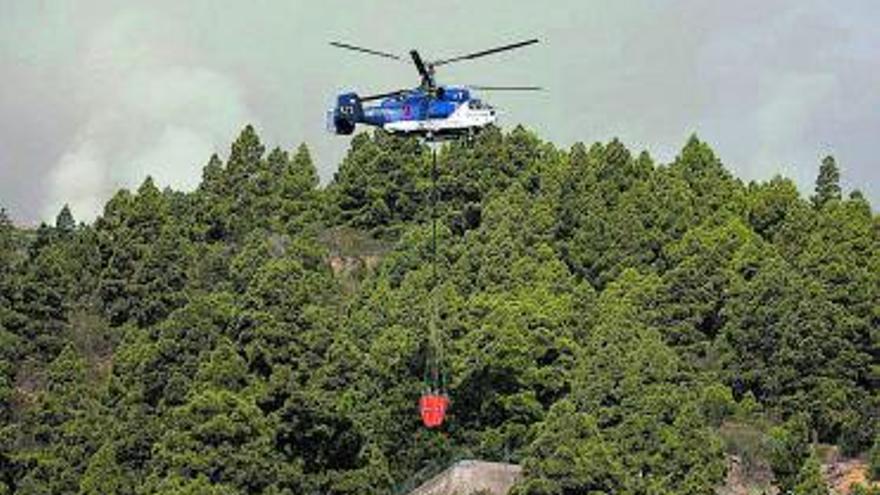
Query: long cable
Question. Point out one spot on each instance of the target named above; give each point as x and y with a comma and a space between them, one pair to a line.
434, 215
434, 337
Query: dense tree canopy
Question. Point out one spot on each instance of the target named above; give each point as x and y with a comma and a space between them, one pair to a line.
602, 318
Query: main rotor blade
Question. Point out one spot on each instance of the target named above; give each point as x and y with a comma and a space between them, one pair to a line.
486, 52
420, 66
507, 88
363, 50
381, 95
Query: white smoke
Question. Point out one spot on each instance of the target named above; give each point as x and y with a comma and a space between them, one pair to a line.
150, 112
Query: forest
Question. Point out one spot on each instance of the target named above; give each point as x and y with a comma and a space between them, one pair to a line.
613, 324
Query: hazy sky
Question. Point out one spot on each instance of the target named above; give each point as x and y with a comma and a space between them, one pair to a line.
96, 95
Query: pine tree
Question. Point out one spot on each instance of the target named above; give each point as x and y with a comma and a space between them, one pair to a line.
63, 429
827, 183
104, 474
572, 455
6, 235
874, 460
789, 448
7, 259
244, 157
714, 187
303, 168
810, 480
64, 222
300, 201
213, 202
222, 436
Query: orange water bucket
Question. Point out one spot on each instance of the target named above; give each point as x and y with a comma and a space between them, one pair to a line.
433, 407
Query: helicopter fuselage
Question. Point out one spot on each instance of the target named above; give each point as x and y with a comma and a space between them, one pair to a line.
444, 111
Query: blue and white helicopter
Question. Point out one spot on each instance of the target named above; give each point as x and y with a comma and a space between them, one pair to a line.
430, 110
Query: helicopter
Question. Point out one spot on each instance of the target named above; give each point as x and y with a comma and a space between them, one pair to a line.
430, 110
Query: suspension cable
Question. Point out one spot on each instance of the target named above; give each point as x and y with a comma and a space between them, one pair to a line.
432, 327
434, 215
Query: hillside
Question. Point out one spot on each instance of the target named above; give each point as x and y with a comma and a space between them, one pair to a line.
609, 323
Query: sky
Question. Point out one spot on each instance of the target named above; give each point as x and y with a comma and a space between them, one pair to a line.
97, 95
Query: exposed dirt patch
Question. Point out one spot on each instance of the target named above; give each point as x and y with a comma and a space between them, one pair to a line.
844, 474
747, 480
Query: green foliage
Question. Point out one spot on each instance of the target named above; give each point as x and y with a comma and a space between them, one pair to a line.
641, 427
874, 460
62, 430
104, 474
613, 324
747, 442
571, 455
789, 448
717, 403
860, 489
381, 182
809, 479
222, 436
